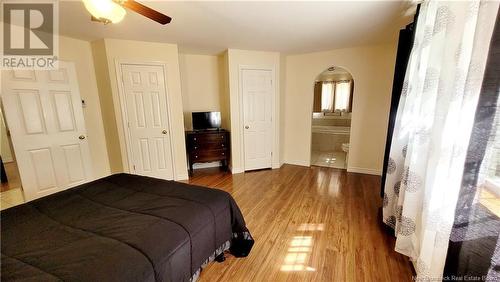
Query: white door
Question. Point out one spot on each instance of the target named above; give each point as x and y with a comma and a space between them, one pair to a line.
44, 113
257, 92
146, 113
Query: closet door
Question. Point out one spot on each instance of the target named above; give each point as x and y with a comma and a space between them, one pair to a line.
44, 113
144, 93
257, 94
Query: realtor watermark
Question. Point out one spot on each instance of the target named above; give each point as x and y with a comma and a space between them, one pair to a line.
454, 278
29, 34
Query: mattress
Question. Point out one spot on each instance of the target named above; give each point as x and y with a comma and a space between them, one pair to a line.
121, 228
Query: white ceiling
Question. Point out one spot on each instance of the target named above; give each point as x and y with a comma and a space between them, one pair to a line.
211, 27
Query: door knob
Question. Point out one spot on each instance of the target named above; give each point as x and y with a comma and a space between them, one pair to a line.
81, 137
247, 127
164, 131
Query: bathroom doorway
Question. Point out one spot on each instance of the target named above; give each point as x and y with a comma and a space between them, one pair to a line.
11, 193
331, 118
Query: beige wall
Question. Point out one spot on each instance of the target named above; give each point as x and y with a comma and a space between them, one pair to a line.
113, 50
282, 102
79, 52
372, 68
107, 106
237, 58
211, 83
224, 90
201, 84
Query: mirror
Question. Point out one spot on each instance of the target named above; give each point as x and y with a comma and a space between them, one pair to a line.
333, 89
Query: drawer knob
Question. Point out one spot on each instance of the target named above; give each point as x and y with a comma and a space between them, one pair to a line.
195, 157
194, 138
222, 153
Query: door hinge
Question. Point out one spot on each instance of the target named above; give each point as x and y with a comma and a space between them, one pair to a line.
128, 124
133, 166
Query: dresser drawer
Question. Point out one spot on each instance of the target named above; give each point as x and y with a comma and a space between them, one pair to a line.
208, 155
199, 146
204, 138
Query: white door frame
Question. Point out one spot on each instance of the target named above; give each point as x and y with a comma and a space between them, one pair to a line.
127, 164
275, 144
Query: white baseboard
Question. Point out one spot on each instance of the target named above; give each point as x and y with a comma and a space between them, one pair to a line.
182, 176
276, 165
7, 160
301, 163
241, 170
349, 169
493, 185
237, 170
206, 165
364, 170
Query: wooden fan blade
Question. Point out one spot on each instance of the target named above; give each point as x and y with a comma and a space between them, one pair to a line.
147, 12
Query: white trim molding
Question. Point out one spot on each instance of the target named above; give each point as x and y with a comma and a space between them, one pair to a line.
365, 170
7, 160
297, 162
181, 176
237, 170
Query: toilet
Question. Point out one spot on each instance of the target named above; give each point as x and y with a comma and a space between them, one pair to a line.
345, 147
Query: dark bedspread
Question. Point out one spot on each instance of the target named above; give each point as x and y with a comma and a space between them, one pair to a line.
120, 228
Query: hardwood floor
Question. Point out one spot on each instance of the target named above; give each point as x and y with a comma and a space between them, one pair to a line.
309, 224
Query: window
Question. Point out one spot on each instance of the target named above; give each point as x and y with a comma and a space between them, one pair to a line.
336, 96
327, 92
342, 94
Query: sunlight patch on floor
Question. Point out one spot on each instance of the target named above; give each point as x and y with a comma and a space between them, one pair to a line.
311, 227
300, 249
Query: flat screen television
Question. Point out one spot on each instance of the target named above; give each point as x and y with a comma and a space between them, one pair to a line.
206, 120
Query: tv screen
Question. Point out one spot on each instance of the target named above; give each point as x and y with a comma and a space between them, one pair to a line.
206, 120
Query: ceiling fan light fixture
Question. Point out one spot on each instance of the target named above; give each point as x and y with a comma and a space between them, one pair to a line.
105, 10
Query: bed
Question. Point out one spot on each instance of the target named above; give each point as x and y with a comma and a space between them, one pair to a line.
121, 228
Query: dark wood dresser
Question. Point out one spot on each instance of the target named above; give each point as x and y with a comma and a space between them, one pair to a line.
207, 146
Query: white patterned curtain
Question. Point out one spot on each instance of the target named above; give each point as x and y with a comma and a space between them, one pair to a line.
433, 126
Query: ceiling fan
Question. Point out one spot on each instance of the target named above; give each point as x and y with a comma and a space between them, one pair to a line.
112, 11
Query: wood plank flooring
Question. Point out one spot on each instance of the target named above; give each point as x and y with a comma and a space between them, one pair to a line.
309, 224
